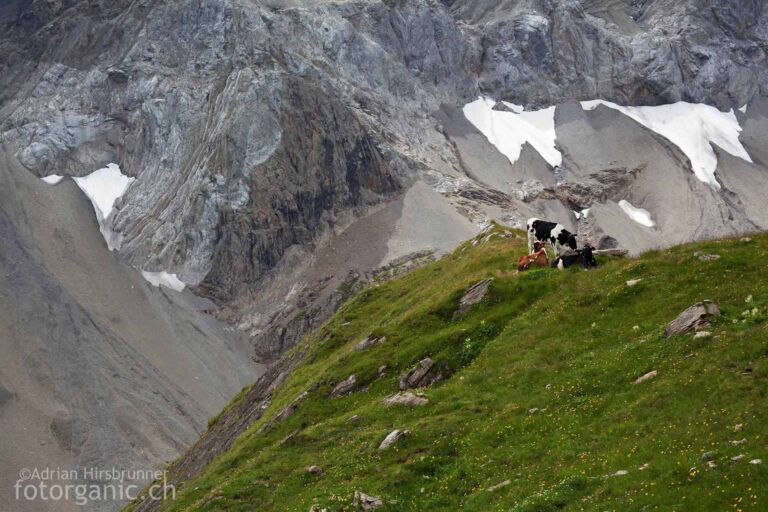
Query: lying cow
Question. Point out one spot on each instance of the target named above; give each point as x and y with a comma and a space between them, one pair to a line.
583, 256
555, 234
538, 258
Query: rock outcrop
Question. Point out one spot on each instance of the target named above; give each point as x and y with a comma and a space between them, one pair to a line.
473, 295
405, 399
695, 317
425, 373
364, 502
344, 387
650, 52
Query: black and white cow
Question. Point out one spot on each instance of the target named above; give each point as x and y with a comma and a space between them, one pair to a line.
556, 234
583, 256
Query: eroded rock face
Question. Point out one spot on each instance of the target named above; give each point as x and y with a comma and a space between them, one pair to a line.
658, 51
253, 131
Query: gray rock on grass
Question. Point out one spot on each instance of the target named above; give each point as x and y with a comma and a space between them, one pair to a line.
423, 374
392, 438
696, 316
344, 387
473, 295
406, 398
365, 502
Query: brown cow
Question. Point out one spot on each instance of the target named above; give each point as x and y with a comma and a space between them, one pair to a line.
538, 258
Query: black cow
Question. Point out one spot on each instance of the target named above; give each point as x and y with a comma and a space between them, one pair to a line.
583, 256
556, 234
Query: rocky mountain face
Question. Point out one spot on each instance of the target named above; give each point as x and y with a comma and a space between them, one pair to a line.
255, 129
630, 51
289, 152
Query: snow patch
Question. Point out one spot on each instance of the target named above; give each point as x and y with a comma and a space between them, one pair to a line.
582, 214
158, 279
103, 187
53, 179
743, 109
693, 127
508, 131
638, 215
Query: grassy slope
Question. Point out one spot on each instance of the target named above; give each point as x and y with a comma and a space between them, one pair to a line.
587, 334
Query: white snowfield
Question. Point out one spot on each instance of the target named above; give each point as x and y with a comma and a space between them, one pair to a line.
638, 215
52, 179
508, 131
158, 279
103, 187
692, 127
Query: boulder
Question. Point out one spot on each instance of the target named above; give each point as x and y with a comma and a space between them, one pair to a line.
693, 317
607, 242
344, 387
315, 470
392, 438
473, 295
423, 374
364, 502
405, 399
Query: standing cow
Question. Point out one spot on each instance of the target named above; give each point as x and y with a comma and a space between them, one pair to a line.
556, 234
